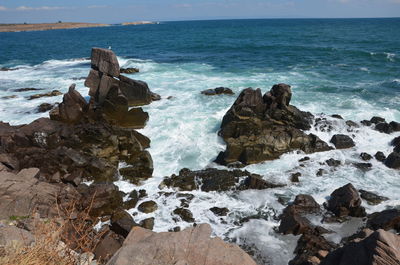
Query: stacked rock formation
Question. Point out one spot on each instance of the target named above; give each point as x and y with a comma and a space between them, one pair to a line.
258, 128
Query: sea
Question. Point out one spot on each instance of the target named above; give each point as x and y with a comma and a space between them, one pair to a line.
349, 67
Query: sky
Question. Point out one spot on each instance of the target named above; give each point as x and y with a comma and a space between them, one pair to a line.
117, 11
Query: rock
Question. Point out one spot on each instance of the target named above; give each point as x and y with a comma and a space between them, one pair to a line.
155, 96
49, 94
345, 201
379, 248
295, 177
129, 70
372, 198
185, 214
191, 246
148, 207
141, 168
306, 158
9, 97
217, 91
380, 156
137, 92
72, 108
366, 123
105, 61
132, 201
376, 120
147, 223
393, 160
258, 128
395, 126
122, 223
8, 69
310, 249
352, 124
383, 127
321, 172
365, 156
342, 141
333, 162
44, 107
395, 141
363, 166
293, 220
108, 246
337, 116
25, 89
387, 220
10, 235
220, 211
397, 149
104, 198
216, 180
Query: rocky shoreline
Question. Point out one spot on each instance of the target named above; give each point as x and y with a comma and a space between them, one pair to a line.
77, 154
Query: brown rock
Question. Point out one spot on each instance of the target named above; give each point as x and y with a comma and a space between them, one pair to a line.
11, 234
49, 94
148, 207
108, 246
346, 201
105, 61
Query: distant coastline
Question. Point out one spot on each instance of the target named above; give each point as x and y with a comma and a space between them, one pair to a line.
61, 25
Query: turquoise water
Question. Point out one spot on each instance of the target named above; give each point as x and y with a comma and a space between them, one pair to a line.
345, 66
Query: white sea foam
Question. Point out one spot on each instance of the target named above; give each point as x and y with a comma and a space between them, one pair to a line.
183, 131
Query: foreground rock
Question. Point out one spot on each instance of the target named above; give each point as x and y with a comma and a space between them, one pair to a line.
258, 128
212, 179
379, 248
346, 201
191, 246
217, 91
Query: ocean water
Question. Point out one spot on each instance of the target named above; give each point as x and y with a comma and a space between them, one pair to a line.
349, 67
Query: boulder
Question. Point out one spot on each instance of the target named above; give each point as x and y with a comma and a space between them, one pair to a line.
384, 127
393, 160
148, 207
387, 220
395, 126
377, 119
365, 156
258, 128
342, 141
372, 198
137, 92
191, 246
44, 107
380, 156
217, 91
147, 223
345, 201
108, 246
122, 223
129, 70
185, 214
379, 248
333, 162
105, 61
102, 198
220, 211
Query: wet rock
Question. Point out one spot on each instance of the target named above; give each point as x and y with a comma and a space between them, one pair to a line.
155, 96
220, 211
132, 201
345, 201
137, 92
148, 207
372, 198
256, 182
25, 89
365, 156
295, 177
185, 214
311, 249
387, 220
8, 69
376, 120
9, 97
395, 126
393, 160
383, 127
342, 141
49, 94
122, 223
44, 107
333, 162
379, 248
321, 172
147, 223
105, 61
380, 156
306, 158
190, 246
352, 124
258, 128
141, 168
363, 166
217, 91
366, 123
108, 246
129, 70
337, 116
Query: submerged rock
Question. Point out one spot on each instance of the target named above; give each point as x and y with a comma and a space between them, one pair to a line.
185, 214
48, 94
372, 198
129, 70
44, 107
217, 91
258, 128
190, 246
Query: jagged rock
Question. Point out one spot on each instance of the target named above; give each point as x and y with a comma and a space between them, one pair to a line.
216, 180
185, 214
258, 128
387, 219
148, 207
379, 248
293, 220
345, 201
342, 141
129, 70
105, 61
147, 223
217, 91
49, 94
137, 92
141, 168
393, 160
191, 246
365, 156
72, 108
122, 223
44, 107
132, 201
220, 211
372, 198
380, 156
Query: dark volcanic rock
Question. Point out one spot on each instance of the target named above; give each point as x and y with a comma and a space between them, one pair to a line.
212, 179
365, 156
185, 214
217, 91
258, 128
372, 198
387, 220
363, 166
220, 211
376, 120
380, 156
342, 141
379, 248
333, 162
393, 160
346, 201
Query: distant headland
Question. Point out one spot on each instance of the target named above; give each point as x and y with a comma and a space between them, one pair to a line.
61, 25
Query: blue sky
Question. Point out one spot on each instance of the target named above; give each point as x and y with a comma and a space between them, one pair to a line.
106, 11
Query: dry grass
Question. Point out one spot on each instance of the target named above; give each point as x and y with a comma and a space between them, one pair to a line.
58, 241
